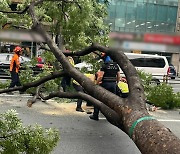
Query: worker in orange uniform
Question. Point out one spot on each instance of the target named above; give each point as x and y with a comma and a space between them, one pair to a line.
14, 67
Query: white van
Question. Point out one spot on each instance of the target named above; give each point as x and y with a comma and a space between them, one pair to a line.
153, 64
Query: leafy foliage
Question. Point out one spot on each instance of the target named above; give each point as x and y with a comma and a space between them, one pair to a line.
160, 95
146, 79
15, 138
4, 85
79, 23
163, 96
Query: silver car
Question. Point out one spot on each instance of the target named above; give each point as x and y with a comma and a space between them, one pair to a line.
5, 59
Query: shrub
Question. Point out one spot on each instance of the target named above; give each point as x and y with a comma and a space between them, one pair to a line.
15, 138
163, 96
177, 99
146, 79
4, 85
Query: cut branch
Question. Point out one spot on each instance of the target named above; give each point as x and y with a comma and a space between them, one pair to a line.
35, 83
110, 115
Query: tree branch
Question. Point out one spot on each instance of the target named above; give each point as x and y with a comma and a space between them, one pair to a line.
16, 12
111, 115
25, 9
35, 83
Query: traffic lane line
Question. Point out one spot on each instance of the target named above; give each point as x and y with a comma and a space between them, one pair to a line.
165, 120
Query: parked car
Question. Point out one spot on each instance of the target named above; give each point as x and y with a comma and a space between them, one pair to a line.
171, 72
5, 59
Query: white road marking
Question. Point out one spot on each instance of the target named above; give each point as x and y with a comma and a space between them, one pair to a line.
169, 120
23, 96
165, 120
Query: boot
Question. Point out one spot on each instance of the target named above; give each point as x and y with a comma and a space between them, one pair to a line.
93, 117
10, 93
78, 109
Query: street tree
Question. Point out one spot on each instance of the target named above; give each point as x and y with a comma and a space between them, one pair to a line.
129, 114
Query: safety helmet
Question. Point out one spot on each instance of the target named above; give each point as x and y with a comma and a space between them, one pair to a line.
103, 54
17, 49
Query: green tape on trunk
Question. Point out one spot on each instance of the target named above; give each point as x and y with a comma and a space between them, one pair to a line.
138, 121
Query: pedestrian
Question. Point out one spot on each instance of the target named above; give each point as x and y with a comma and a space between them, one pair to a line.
79, 88
39, 59
66, 80
14, 67
107, 77
122, 88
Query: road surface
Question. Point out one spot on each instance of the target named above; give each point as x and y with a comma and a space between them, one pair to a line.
79, 134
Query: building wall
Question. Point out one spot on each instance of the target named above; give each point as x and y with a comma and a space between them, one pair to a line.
175, 61
143, 15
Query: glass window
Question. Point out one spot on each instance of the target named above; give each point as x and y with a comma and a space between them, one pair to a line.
141, 11
130, 11
150, 26
162, 13
130, 24
148, 62
161, 26
111, 11
170, 28
119, 22
154, 62
139, 1
142, 15
159, 1
172, 14
151, 12
140, 26
120, 10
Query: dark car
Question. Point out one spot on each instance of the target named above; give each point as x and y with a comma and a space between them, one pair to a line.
5, 59
171, 72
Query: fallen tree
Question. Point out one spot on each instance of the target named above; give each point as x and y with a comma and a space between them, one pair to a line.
129, 114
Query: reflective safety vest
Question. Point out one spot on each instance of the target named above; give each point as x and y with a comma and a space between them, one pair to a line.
15, 63
71, 61
123, 87
90, 76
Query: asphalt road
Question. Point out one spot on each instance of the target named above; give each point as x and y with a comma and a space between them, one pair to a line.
79, 134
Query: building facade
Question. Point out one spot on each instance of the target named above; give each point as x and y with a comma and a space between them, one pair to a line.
143, 15
148, 16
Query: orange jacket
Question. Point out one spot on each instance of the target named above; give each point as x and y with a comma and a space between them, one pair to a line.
15, 63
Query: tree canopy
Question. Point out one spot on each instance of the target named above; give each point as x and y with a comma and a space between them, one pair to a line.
79, 22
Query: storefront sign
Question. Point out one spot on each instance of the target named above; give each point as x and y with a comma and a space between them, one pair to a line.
143, 46
146, 37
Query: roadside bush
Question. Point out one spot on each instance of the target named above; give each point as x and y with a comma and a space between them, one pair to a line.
146, 79
4, 85
15, 138
177, 99
160, 95
163, 96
